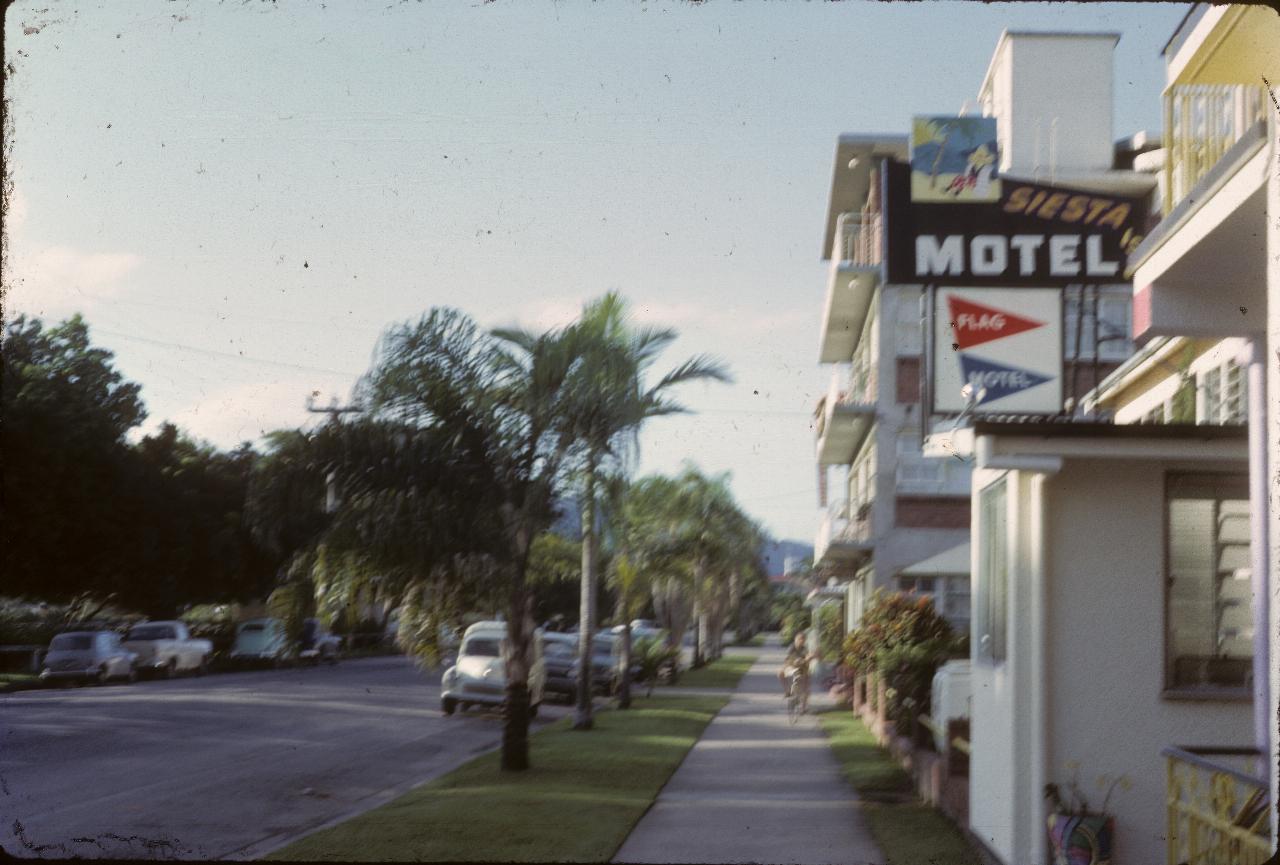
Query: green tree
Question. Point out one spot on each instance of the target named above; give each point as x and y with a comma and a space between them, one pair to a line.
612, 400
66, 411
453, 473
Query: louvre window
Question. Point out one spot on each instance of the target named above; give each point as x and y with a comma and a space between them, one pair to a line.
1209, 636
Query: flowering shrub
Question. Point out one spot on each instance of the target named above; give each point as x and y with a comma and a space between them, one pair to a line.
902, 638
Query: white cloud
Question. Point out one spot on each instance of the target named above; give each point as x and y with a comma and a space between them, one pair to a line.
55, 281
245, 412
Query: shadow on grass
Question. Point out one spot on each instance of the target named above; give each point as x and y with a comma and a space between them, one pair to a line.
578, 803
907, 830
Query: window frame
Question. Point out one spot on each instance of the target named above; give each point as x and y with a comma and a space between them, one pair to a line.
1171, 689
990, 617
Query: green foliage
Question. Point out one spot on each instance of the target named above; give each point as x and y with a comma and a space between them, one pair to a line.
903, 638
157, 524
655, 658
794, 623
782, 604
830, 631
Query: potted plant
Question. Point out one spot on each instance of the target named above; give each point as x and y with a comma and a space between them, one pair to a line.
1077, 834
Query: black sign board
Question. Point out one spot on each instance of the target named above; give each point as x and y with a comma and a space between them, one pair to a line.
1035, 235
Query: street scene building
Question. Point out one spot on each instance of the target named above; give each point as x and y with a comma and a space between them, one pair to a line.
425, 458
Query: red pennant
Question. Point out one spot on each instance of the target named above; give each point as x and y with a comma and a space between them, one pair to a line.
975, 323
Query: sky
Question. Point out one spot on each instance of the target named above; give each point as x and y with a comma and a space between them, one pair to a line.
240, 197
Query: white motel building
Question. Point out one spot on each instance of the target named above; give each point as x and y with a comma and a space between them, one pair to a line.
1116, 560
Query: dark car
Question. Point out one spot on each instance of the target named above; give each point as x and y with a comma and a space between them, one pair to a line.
317, 644
560, 653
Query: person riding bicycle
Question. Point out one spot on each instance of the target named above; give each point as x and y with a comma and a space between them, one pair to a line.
797, 662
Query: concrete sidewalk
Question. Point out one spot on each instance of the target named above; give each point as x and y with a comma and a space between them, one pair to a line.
756, 789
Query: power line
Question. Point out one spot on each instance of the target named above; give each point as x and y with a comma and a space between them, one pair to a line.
240, 357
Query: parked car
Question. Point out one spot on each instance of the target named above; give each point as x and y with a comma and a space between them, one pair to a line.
318, 644
262, 641
606, 663
167, 648
560, 655
94, 656
479, 676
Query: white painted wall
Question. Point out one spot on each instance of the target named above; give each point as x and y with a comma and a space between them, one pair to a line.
1106, 646
1053, 95
1104, 596
1273, 447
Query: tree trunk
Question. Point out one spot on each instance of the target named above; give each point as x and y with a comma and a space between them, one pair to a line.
587, 609
624, 686
698, 646
518, 660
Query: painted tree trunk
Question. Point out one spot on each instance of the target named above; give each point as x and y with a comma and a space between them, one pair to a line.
515, 727
587, 609
624, 684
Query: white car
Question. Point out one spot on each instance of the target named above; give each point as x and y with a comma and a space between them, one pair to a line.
94, 656
478, 677
167, 648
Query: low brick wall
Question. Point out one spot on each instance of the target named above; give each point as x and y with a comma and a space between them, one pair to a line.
940, 779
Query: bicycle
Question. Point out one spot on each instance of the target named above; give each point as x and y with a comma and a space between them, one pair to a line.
795, 695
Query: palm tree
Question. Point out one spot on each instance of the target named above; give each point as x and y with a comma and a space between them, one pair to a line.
451, 475
612, 403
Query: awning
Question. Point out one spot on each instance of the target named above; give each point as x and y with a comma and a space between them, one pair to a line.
952, 561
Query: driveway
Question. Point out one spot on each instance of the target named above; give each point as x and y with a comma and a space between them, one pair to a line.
221, 766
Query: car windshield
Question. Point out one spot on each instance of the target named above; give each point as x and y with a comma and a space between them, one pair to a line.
484, 647
71, 643
252, 628
151, 632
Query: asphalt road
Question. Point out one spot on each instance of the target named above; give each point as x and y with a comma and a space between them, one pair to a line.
222, 766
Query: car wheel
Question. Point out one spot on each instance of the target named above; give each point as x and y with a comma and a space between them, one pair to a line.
448, 705
169, 670
132, 676
100, 678
203, 669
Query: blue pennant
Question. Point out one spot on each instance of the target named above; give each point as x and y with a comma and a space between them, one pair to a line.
999, 380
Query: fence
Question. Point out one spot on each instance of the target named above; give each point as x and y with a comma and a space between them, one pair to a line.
1217, 812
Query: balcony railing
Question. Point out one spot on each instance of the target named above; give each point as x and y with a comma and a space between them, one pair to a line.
850, 522
1204, 120
1217, 809
858, 239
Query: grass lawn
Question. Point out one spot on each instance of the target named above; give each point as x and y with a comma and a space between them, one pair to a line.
907, 830
19, 681
578, 803
724, 672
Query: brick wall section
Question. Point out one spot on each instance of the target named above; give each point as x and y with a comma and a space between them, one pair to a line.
908, 380
931, 512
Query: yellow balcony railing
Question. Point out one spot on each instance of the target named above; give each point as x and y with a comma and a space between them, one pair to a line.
1217, 811
1203, 121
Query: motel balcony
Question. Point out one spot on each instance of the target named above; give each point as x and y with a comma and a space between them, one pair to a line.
843, 417
1219, 151
1217, 807
844, 536
853, 276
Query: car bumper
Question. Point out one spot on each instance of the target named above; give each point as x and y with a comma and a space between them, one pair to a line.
476, 692
66, 675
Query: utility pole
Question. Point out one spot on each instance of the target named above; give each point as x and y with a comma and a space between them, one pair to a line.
335, 412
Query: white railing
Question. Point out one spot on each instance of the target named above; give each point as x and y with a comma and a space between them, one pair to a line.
858, 239
1203, 121
849, 523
